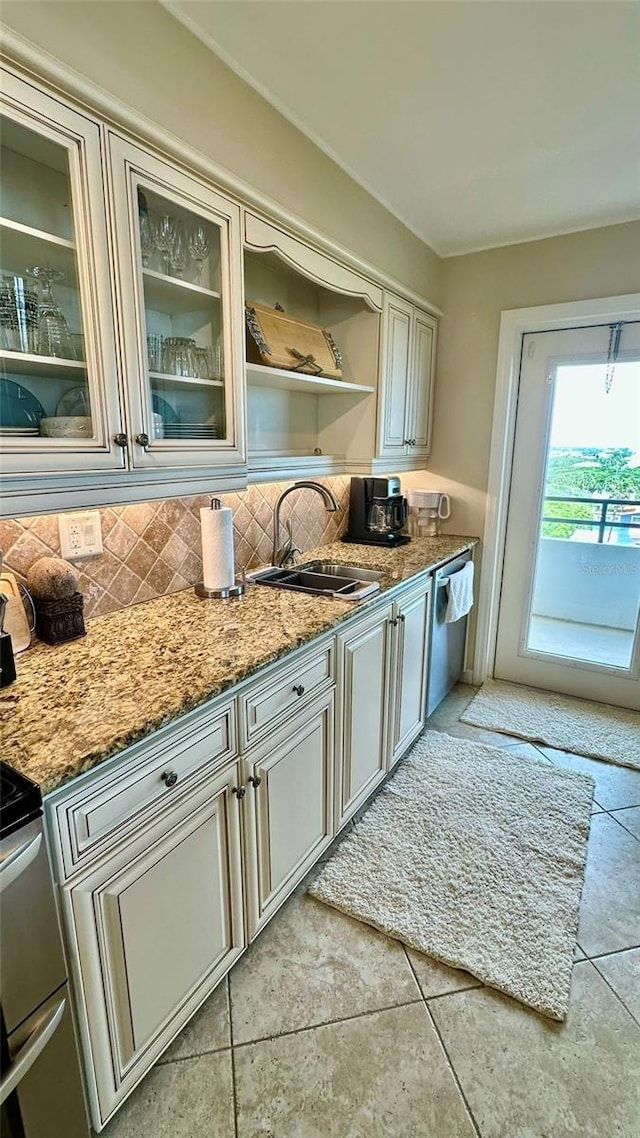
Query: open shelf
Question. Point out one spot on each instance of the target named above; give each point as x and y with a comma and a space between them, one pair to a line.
172, 294
166, 378
259, 375
265, 466
22, 363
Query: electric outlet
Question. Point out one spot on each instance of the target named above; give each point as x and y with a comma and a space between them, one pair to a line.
80, 534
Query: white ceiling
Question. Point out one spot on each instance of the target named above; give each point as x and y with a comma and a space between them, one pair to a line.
477, 122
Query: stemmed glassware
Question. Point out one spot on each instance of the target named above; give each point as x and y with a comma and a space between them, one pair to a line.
165, 238
179, 251
199, 247
147, 237
176, 242
53, 332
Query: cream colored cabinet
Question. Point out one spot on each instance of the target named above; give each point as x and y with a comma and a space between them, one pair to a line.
121, 324
173, 855
408, 702
154, 927
365, 657
289, 815
59, 405
180, 280
382, 685
407, 360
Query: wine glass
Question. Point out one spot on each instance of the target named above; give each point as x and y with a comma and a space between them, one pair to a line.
199, 247
53, 332
147, 238
165, 236
179, 252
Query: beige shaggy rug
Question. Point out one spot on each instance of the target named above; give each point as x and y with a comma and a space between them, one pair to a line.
593, 729
475, 857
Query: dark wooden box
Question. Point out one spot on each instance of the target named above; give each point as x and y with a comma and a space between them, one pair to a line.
61, 620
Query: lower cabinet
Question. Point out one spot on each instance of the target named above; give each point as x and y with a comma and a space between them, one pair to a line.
156, 925
411, 622
382, 690
289, 816
174, 858
364, 681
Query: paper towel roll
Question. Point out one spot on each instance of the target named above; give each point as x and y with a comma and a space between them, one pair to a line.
217, 548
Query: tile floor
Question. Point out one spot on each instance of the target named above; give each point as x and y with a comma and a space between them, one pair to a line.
327, 1029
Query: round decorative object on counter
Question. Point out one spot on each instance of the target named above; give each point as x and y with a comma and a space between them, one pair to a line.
52, 579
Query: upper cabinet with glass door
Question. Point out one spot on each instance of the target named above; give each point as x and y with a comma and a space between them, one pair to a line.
179, 259
56, 325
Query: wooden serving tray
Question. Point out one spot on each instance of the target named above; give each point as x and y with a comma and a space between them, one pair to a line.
278, 340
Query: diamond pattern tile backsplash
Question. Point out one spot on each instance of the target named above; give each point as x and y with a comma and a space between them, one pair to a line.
153, 548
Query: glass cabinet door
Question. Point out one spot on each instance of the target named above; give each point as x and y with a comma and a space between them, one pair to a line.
179, 246
54, 410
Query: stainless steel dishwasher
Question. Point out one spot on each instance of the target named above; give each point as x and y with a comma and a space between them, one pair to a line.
446, 641
40, 1083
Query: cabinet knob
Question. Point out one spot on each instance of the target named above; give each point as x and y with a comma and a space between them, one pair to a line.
413, 442
298, 689
121, 440
239, 791
143, 439
169, 778
401, 617
255, 780
393, 620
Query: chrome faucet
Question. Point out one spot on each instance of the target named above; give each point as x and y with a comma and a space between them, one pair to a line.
284, 555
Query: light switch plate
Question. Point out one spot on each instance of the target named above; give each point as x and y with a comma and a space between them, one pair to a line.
80, 534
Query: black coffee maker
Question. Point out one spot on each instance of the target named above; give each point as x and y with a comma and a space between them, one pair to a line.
377, 512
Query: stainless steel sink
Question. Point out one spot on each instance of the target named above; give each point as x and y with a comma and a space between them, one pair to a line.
351, 572
346, 582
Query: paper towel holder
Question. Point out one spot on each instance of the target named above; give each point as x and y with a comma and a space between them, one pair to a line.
235, 590
220, 594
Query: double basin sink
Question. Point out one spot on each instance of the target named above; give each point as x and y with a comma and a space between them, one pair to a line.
323, 578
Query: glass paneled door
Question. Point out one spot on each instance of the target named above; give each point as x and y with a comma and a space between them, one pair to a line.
54, 410
179, 245
570, 603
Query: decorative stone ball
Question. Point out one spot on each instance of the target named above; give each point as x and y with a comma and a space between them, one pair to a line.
52, 579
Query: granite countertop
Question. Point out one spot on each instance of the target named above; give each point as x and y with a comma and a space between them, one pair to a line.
76, 704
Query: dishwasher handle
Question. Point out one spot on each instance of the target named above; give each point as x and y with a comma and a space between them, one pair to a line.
18, 860
31, 1050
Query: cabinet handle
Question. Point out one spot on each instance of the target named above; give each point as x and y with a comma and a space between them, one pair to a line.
255, 780
143, 439
169, 778
121, 440
401, 617
393, 620
239, 791
298, 689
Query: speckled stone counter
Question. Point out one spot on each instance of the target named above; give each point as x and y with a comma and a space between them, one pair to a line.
76, 704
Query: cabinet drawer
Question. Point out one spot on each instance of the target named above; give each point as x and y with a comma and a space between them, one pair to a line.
94, 818
269, 703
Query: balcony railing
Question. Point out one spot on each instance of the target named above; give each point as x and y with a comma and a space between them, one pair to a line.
601, 507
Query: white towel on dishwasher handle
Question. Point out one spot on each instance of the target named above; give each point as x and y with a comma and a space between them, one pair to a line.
460, 593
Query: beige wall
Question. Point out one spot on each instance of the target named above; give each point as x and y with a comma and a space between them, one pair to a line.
476, 288
139, 53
